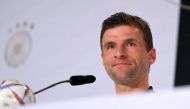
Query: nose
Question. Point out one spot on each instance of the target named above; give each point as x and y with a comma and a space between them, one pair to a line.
121, 52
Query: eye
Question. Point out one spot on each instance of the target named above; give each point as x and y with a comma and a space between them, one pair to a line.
110, 46
131, 44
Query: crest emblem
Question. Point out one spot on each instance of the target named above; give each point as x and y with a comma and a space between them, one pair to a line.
19, 45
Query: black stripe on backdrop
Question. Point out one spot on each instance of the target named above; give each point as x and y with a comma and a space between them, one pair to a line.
182, 76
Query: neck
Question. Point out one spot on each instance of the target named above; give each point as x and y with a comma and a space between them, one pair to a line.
141, 86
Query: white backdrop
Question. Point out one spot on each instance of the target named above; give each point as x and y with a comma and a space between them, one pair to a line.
64, 41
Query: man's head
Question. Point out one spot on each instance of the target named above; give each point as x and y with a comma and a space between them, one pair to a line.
127, 49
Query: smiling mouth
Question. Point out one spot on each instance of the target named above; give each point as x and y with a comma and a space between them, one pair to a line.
120, 64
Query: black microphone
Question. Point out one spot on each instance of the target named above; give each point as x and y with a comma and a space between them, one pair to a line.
74, 80
79, 80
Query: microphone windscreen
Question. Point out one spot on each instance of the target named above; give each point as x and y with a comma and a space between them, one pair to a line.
90, 78
81, 79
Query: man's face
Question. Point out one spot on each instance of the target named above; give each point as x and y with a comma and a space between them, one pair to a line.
124, 55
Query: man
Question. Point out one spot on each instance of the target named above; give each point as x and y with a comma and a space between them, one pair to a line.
127, 52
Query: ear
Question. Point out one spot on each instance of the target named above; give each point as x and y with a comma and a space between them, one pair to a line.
151, 56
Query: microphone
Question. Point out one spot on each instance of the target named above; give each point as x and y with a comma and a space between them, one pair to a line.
79, 80
74, 80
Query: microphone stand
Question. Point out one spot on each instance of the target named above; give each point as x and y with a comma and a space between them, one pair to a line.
35, 93
74, 80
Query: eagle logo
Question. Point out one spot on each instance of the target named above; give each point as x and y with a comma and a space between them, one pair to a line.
18, 47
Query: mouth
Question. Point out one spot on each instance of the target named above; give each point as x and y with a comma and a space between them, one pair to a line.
120, 64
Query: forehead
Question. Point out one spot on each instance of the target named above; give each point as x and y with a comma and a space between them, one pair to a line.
122, 32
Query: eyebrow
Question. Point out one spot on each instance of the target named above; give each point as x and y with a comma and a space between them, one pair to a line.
130, 40
112, 43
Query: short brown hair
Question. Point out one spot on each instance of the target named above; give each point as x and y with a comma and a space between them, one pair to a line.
122, 18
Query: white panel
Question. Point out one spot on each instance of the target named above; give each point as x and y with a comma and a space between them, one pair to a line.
166, 100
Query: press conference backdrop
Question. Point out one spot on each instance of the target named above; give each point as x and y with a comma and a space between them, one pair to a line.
46, 41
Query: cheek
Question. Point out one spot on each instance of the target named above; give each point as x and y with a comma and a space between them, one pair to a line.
140, 58
107, 58
144, 61
106, 63
103, 59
